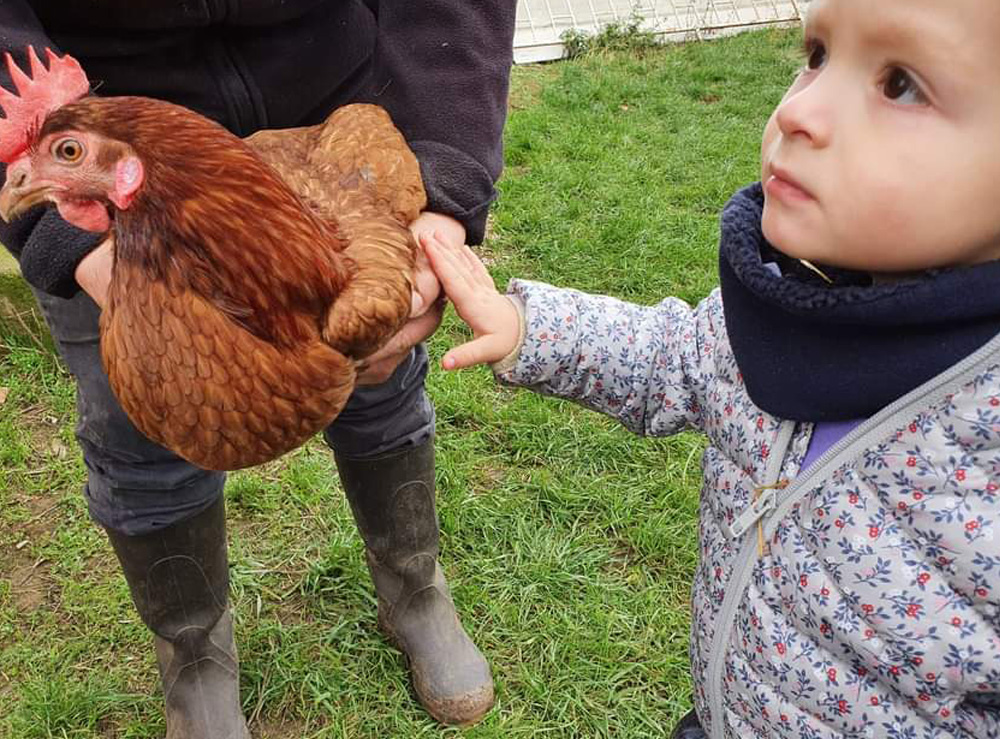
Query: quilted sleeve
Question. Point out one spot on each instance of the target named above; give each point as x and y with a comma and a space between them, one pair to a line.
647, 367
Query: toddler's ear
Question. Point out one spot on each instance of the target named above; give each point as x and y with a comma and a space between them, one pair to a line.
129, 176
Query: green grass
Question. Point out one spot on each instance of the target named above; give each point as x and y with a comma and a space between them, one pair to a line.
7, 263
570, 544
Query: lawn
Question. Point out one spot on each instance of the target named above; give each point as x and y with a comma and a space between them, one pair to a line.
569, 543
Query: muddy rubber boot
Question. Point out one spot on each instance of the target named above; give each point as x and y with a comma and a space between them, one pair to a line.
392, 498
179, 579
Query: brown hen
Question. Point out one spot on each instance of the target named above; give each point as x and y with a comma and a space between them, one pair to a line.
249, 277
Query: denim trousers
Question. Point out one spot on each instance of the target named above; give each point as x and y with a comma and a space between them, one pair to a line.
136, 486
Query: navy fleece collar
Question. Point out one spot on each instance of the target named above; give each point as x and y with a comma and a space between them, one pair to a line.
811, 351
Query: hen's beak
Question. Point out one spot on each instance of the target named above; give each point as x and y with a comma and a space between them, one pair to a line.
19, 193
14, 202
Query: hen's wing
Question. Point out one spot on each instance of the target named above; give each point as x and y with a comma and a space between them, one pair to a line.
193, 381
355, 170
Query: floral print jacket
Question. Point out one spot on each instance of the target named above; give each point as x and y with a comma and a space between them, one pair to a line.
857, 598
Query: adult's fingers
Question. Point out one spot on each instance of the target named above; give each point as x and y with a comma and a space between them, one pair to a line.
421, 327
426, 287
379, 366
93, 274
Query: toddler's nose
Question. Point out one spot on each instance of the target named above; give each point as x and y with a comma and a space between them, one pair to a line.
809, 111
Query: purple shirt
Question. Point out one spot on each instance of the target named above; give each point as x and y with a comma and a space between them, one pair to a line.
825, 435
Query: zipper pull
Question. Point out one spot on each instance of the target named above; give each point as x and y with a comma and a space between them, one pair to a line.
763, 503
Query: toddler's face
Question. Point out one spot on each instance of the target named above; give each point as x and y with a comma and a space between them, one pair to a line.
884, 154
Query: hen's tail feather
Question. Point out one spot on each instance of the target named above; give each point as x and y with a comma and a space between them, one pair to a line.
361, 141
376, 302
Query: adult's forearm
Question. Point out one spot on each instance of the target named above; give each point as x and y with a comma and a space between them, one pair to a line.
442, 70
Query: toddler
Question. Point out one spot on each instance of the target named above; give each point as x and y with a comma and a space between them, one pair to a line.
847, 376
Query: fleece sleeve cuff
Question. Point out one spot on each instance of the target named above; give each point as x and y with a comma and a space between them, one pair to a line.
52, 252
457, 185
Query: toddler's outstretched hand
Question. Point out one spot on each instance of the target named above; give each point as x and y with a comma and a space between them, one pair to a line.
494, 320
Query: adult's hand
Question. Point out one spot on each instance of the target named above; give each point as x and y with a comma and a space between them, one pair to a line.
93, 274
379, 366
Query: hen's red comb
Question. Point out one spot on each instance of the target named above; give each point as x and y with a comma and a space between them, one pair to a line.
36, 97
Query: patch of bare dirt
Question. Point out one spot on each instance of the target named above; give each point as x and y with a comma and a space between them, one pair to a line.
526, 86
26, 572
42, 429
266, 729
29, 586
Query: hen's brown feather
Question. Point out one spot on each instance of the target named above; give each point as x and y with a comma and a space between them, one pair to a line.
354, 163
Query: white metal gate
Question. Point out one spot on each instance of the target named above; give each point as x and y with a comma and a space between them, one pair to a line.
541, 23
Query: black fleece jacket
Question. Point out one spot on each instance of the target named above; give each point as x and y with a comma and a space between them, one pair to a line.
440, 67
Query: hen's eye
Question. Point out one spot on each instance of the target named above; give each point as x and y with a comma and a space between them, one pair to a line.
900, 86
68, 150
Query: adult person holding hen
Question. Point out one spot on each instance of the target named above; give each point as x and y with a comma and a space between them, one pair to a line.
242, 64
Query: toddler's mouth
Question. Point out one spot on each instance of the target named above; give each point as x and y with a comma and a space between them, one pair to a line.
782, 185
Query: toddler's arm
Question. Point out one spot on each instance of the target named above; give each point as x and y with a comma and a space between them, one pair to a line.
645, 366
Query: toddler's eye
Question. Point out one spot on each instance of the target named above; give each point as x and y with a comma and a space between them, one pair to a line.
815, 53
900, 86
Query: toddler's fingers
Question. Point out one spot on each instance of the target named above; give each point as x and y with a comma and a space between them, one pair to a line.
465, 260
483, 350
476, 267
450, 268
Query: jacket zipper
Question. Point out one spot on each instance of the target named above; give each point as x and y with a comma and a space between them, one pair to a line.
861, 436
745, 560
